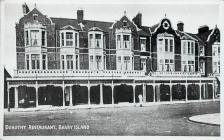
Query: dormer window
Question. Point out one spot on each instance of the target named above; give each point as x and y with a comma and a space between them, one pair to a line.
35, 16
125, 23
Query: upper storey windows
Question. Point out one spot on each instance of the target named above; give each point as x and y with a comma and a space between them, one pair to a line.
188, 47
123, 39
216, 49
95, 36
35, 35
143, 44
165, 43
69, 38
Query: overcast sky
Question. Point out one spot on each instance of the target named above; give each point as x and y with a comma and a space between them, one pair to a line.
193, 16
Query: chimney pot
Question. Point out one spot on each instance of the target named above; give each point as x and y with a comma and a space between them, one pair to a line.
180, 26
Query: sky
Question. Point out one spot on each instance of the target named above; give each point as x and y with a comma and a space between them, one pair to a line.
193, 16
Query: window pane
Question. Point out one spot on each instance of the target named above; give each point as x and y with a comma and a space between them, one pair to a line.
126, 37
35, 37
43, 38
69, 35
98, 36
166, 45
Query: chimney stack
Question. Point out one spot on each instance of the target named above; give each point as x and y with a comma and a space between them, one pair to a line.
180, 26
203, 28
80, 16
25, 9
138, 19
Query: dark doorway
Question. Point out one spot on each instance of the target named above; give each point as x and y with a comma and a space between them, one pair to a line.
123, 93
50, 95
80, 95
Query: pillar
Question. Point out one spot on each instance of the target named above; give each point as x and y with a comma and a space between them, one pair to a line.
112, 92
213, 91
154, 93
158, 96
36, 88
144, 92
101, 94
200, 91
88, 93
16, 97
133, 93
8, 94
63, 92
171, 96
70, 96
186, 99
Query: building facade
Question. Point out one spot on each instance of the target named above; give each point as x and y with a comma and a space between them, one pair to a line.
68, 62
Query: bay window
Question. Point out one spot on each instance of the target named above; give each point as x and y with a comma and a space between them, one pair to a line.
35, 38
98, 38
27, 62
69, 38
126, 62
143, 44
27, 38
62, 62
69, 59
35, 60
98, 62
118, 41
126, 41
43, 61
166, 45
191, 66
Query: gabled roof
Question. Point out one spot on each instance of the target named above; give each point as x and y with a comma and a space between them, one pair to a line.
87, 24
153, 28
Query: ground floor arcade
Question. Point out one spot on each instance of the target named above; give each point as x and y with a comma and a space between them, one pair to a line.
33, 93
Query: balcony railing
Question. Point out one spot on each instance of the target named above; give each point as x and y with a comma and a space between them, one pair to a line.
77, 73
176, 73
213, 74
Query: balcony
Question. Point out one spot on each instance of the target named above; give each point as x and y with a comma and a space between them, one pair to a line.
175, 74
77, 73
214, 75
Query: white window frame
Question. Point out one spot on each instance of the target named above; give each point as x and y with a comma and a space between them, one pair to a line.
143, 44
75, 38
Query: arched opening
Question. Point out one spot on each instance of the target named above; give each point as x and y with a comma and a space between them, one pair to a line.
123, 93
138, 91
50, 95
193, 92
178, 92
164, 92
149, 93
107, 95
11, 97
80, 95
26, 96
95, 94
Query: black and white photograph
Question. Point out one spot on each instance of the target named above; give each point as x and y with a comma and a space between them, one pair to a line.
111, 68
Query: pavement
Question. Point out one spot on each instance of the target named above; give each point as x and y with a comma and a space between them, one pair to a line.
151, 120
125, 104
212, 119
